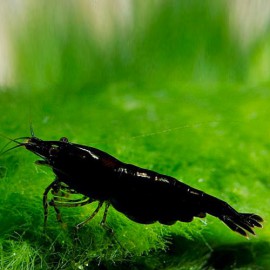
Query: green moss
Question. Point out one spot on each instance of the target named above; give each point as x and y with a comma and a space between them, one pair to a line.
170, 100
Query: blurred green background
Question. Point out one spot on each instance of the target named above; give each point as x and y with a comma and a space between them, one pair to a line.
180, 87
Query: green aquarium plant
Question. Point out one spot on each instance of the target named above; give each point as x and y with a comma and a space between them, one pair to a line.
170, 90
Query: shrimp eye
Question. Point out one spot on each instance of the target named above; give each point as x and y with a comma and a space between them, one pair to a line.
53, 151
63, 139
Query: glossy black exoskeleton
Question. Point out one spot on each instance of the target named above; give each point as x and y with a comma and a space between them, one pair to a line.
142, 195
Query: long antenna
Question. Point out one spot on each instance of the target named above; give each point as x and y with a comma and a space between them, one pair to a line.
2, 150
16, 146
32, 130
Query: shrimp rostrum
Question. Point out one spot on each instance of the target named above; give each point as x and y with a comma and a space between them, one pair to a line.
142, 195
